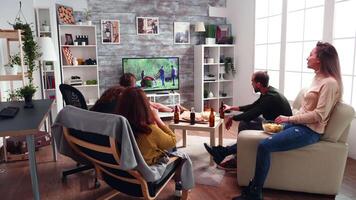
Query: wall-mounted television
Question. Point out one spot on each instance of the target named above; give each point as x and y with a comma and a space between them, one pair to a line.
154, 74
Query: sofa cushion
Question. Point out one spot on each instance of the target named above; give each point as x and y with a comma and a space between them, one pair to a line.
340, 119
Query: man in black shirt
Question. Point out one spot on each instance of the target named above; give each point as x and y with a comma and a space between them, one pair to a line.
270, 105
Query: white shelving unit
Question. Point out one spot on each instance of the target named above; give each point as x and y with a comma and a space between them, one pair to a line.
169, 99
210, 77
80, 53
10, 37
43, 29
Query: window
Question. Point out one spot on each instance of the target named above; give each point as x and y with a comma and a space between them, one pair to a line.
344, 41
303, 22
268, 38
304, 28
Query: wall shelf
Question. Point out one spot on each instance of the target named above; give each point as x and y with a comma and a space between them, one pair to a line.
221, 83
85, 72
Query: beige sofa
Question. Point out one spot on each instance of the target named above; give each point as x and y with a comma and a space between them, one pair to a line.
317, 168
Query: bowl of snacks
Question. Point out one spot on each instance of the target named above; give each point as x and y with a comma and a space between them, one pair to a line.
271, 127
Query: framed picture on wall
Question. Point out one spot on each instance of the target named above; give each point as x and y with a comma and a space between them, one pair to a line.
110, 31
223, 34
181, 32
147, 25
65, 14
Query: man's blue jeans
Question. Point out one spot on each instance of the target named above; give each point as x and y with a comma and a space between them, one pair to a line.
293, 136
255, 124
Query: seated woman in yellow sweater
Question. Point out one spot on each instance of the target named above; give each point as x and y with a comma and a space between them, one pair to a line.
153, 137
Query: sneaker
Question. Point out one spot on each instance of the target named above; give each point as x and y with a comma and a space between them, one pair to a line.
215, 152
178, 191
228, 165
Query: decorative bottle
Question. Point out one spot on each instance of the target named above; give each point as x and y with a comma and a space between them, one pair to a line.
176, 115
192, 116
221, 111
211, 118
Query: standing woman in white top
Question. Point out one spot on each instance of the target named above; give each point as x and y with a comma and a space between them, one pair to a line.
308, 124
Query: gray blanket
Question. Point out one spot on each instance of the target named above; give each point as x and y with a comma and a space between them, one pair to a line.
118, 127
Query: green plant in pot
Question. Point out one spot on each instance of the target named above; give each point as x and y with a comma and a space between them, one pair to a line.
87, 15
210, 31
31, 53
229, 65
27, 93
13, 65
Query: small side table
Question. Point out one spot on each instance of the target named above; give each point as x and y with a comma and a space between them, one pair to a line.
184, 126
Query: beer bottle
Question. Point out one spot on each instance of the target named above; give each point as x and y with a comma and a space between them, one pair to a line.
192, 116
211, 118
176, 115
221, 111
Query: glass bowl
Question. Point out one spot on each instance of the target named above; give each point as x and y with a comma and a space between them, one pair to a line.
270, 126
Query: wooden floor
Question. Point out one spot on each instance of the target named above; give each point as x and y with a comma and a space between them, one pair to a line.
15, 183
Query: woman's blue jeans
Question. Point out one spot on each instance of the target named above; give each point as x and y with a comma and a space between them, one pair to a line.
293, 136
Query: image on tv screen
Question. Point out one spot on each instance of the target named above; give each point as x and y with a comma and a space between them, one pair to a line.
154, 73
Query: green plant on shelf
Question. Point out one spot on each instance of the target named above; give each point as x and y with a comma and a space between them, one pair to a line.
229, 65
210, 30
91, 82
14, 60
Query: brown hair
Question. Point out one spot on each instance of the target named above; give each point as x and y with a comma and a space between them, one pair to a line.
127, 80
109, 100
329, 62
261, 77
134, 105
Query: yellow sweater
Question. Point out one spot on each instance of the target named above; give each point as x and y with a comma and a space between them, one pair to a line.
152, 145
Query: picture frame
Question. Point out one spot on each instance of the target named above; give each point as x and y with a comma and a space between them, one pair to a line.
67, 53
65, 14
181, 32
223, 34
68, 39
147, 25
110, 31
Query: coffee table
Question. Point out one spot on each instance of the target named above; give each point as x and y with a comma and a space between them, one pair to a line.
184, 126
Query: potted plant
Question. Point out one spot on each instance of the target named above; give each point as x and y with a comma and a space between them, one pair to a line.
210, 34
31, 53
87, 15
26, 93
13, 65
229, 65
13, 95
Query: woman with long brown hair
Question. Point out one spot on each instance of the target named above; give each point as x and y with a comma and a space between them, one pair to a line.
153, 137
308, 124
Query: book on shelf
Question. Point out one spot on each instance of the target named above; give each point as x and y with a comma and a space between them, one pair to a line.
50, 82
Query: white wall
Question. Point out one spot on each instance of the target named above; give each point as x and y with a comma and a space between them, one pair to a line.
241, 16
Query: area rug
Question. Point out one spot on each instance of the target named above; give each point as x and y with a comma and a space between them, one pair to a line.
203, 172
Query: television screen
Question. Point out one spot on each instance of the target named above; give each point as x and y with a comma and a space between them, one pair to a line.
154, 73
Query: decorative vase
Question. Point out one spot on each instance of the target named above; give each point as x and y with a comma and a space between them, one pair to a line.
45, 28
209, 40
28, 101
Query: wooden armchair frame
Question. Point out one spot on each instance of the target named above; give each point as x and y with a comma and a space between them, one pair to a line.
103, 167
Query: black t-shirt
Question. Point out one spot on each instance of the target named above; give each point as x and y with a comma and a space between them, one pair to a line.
269, 105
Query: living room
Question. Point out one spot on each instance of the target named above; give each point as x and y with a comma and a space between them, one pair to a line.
273, 36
